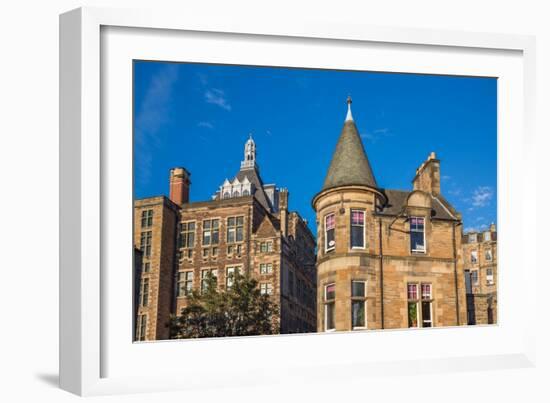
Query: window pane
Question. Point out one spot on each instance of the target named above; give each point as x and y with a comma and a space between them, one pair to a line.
239, 234
357, 217
413, 314
329, 316
412, 291
330, 239
357, 238
358, 313
329, 222
417, 241
357, 288
426, 314
426, 291
330, 291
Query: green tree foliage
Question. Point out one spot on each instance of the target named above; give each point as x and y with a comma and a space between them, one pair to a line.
241, 310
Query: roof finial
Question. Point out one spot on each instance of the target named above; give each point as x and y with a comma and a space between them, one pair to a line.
349, 116
250, 136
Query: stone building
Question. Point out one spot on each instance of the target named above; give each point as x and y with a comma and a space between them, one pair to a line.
246, 227
385, 258
155, 223
481, 275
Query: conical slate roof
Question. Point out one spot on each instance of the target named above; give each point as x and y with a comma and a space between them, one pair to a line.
349, 165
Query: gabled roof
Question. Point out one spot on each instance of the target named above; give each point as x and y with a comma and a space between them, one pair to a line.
398, 198
254, 178
349, 164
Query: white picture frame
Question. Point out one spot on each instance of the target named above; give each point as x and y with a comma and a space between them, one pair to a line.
94, 356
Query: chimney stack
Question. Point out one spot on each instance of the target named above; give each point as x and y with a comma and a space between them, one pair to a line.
428, 176
283, 210
179, 185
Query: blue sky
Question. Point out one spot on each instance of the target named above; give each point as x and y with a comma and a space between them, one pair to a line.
199, 116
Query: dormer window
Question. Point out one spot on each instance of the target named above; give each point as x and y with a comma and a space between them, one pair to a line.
472, 238
330, 225
417, 235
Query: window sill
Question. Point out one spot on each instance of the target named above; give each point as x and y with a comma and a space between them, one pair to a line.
418, 252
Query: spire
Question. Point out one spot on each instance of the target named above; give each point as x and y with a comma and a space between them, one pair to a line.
349, 115
349, 164
249, 161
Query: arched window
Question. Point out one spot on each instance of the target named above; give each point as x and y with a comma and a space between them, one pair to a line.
226, 195
236, 193
246, 193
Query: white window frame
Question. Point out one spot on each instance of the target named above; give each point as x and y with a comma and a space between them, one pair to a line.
228, 270
472, 254
416, 301
325, 307
183, 278
487, 236
268, 268
363, 212
327, 247
423, 234
141, 336
212, 271
357, 299
476, 271
430, 300
266, 288
490, 254
490, 277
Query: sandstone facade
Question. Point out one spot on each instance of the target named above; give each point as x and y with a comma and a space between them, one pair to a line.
481, 275
385, 258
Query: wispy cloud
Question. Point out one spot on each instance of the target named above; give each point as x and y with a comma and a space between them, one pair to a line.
481, 196
217, 97
203, 78
152, 114
445, 178
376, 135
206, 125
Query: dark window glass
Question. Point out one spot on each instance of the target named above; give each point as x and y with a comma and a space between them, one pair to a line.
329, 316
357, 288
426, 314
330, 292
330, 225
417, 234
358, 313
357, 229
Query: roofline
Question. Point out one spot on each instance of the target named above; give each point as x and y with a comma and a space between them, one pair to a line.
165, 200
341, 187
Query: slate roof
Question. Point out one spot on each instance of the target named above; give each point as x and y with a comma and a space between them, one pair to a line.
259, 193
397, 199
349, 164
